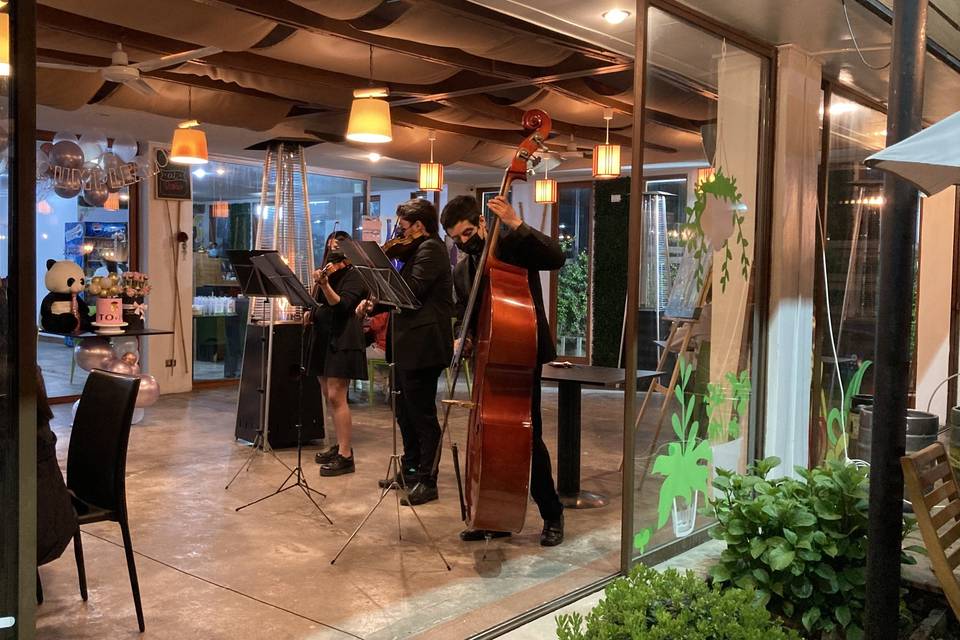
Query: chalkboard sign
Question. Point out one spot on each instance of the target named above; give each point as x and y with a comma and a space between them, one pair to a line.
173, 180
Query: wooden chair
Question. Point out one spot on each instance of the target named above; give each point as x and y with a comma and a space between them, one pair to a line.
933, 490
97, 462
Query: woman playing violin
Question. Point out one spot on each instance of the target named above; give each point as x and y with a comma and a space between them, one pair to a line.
338, 354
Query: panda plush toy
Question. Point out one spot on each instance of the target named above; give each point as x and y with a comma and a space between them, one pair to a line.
63, 309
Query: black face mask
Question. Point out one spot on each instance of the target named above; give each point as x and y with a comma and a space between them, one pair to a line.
336, 257
473, 246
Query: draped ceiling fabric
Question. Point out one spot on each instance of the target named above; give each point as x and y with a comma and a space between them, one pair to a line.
340, 9
203, 24
432, 24
66, 90
353, 58
272, 76
214, 107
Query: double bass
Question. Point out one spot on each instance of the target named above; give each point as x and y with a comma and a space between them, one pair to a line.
500, 432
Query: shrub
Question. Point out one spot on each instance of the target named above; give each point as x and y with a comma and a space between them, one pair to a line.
801, 544
648, 605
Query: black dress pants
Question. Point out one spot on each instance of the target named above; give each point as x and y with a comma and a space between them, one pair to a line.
542, 489
417, 417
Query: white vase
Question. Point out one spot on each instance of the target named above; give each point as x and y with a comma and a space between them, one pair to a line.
684, 516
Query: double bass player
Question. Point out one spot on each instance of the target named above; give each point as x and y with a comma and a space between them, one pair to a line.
524, 247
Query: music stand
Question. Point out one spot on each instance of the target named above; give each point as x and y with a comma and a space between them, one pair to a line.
276, 278
388, 288
253, 284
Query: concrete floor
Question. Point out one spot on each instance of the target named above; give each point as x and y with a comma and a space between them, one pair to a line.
209, 572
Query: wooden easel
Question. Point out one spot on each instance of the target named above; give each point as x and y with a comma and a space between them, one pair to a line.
686, 325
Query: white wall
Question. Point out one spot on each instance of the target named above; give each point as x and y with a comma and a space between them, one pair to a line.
169, 269
933, 313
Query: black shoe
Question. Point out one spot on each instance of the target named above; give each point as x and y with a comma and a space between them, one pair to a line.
338, 466
409, 477
328, 455
552, 534
420, 494
475, 535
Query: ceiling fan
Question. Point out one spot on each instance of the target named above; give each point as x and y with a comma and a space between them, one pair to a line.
120, 70
573, 151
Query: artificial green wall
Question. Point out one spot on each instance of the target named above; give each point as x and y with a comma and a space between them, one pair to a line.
611, 206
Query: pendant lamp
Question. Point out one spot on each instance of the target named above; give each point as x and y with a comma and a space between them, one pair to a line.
431, 173
545, 191
219, 209
606, 157
189, 144
370, 114
4, 43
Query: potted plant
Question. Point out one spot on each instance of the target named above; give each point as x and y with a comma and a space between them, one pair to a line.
672, 606
684, 466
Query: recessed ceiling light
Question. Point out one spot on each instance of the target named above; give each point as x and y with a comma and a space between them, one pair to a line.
616, 16
373, 156
221, 171
200, 173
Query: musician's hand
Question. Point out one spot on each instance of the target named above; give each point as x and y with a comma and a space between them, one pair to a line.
467, 347
364, 308
320, 277
307, 317
505, 211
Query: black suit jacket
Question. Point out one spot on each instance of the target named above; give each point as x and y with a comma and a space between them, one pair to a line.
423, 338
523, 247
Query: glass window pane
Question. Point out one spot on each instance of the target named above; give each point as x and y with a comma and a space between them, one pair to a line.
225, 199
574, 213
699, 254
95, 237
852, 245
336, 204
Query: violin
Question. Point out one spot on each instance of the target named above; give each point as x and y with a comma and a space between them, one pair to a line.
402, 247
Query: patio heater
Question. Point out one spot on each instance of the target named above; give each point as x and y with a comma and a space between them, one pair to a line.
275, 335
655, 277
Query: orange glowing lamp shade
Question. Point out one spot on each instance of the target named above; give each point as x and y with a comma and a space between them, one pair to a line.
545, 191
112, 203
606, 161
44, 208
370, 121
4, 43
431, 176
189, 146
219, 209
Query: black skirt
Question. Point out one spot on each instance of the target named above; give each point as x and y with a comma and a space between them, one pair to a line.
325, 360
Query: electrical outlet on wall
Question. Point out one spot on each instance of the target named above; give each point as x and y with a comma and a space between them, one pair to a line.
170, 363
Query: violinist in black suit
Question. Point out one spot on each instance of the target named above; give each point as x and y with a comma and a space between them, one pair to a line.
420, 344
525, 247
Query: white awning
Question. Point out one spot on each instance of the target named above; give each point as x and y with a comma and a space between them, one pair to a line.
929, 159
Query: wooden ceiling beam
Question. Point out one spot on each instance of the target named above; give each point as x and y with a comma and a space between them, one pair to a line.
507, 137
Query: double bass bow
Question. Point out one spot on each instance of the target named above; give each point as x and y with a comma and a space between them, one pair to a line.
499, 437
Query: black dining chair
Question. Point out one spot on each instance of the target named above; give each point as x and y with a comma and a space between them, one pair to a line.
97, 461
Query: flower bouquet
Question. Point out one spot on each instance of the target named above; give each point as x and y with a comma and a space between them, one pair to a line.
134, 287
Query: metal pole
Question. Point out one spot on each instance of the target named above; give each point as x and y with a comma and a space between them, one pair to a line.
633, 287
898, 237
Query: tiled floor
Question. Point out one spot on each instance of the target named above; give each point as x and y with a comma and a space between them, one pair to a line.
209, 572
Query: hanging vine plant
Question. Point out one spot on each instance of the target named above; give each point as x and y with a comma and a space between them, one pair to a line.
718, 211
